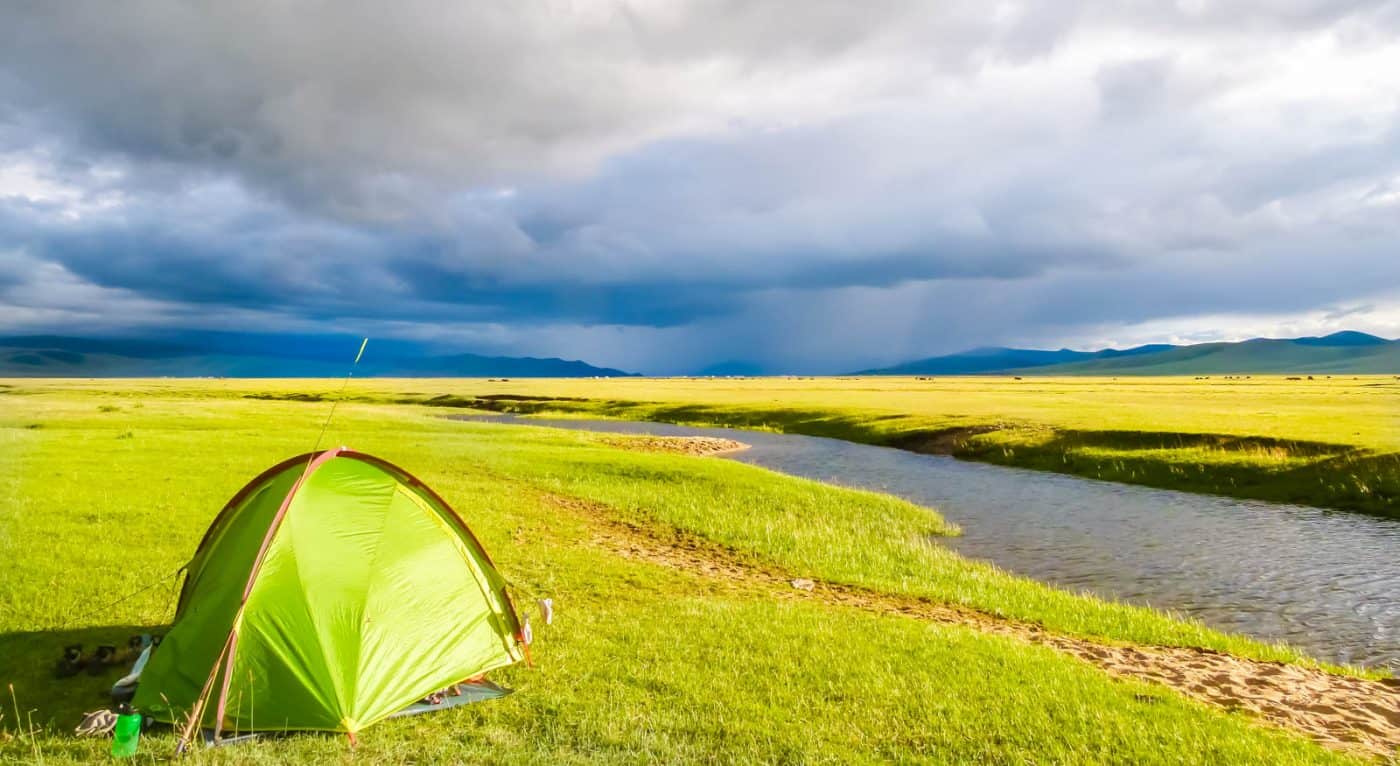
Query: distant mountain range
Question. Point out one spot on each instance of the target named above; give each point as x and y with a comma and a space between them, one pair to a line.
54, 356
1351, 353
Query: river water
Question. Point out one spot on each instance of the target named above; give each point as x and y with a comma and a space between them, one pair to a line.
1325, 581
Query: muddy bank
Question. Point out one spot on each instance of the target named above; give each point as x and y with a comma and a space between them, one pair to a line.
946, 441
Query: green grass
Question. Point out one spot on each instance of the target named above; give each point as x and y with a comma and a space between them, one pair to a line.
644, 663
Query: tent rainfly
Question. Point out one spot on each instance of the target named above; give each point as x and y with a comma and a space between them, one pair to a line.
331, 592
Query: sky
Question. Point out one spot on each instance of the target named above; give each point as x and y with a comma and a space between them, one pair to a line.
805, 186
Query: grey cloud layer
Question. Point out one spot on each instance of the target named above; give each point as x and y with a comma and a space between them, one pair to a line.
710, 172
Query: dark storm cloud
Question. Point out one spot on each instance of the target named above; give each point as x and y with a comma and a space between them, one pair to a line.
707, 179
337, 105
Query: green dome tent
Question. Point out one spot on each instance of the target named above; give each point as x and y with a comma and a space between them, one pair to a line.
330, 593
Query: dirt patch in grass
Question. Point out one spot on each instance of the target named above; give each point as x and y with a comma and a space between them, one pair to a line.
1346, 713
677, 445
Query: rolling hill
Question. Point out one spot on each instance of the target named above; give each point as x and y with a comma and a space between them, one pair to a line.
53, 356
991, 360
1342, 353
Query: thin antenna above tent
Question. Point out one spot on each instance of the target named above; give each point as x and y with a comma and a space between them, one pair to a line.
339, 394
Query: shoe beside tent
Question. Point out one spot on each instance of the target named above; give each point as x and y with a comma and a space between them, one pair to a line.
332, 592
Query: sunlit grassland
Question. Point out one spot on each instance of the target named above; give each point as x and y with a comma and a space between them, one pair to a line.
107, 489
1331, 442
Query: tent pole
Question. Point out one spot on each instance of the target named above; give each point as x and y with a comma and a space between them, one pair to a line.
348, 375
228, 675
197, 713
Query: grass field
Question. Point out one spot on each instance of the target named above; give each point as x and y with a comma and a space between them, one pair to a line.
1329, 442
106, 487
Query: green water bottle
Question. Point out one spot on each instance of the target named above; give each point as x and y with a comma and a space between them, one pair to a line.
126, 733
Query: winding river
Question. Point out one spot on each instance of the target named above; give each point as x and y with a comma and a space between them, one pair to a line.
1325, 581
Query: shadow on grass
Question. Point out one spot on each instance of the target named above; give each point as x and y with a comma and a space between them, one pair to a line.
1260, 468
56, 705
1157, 440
